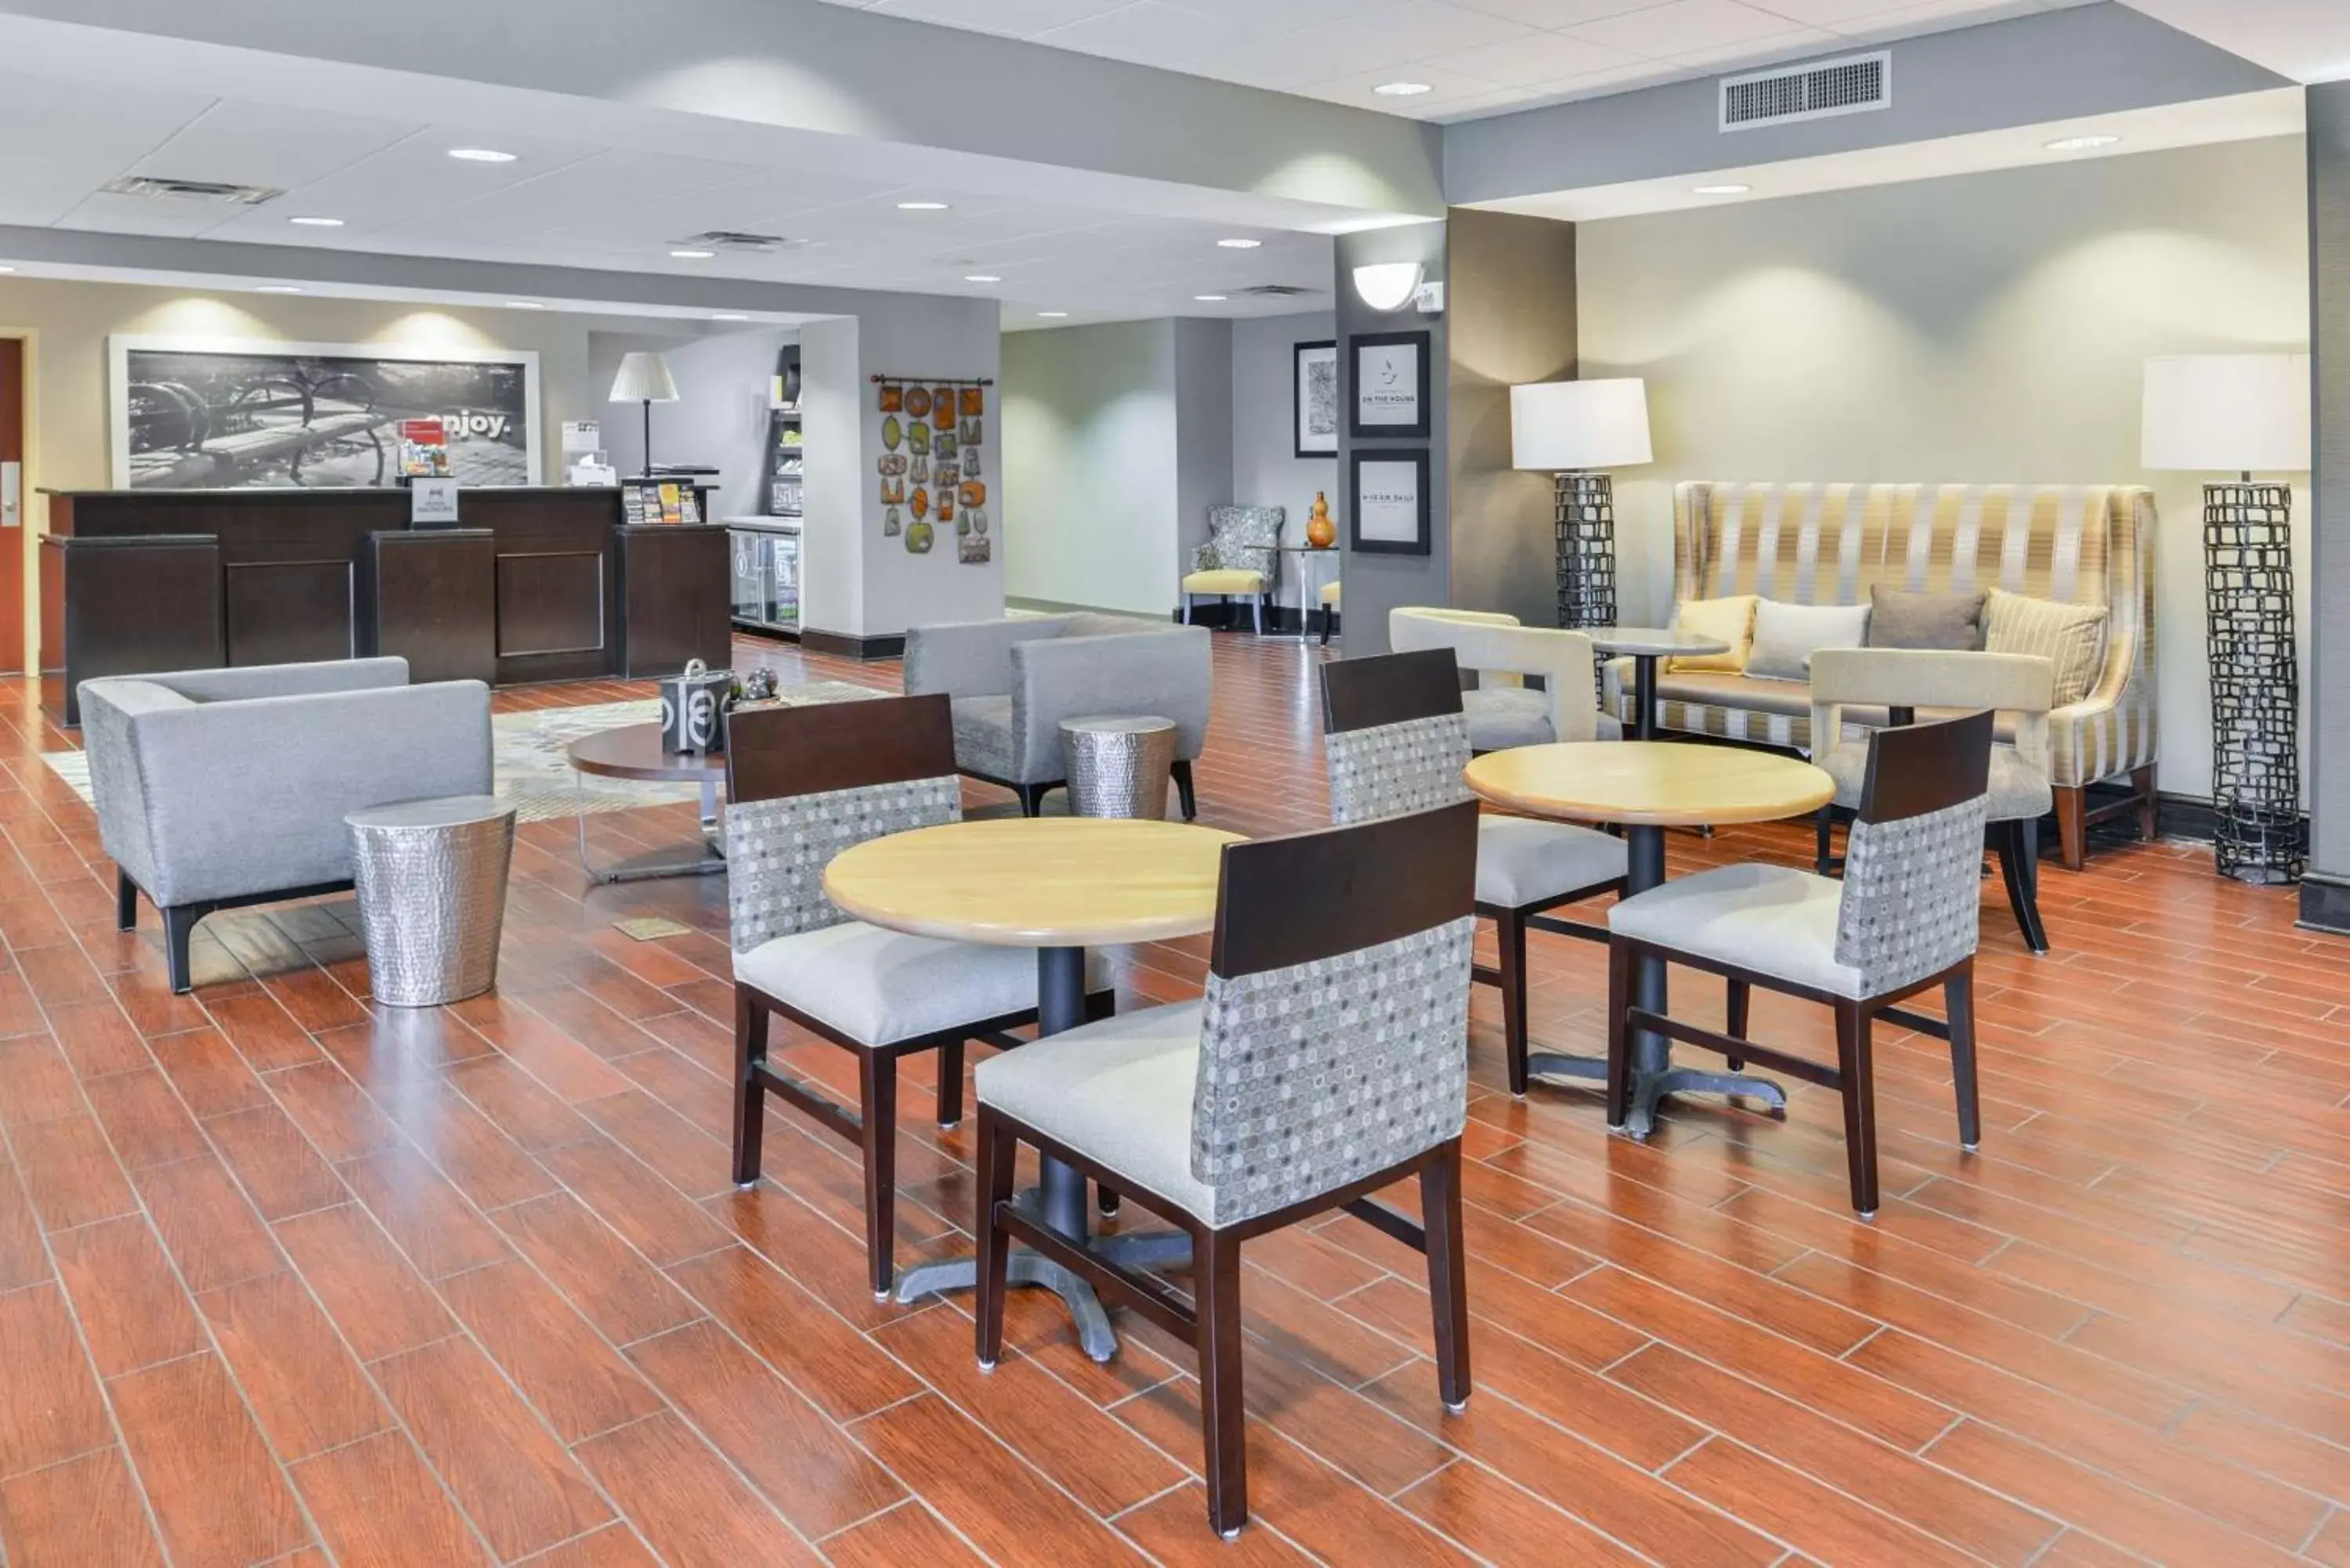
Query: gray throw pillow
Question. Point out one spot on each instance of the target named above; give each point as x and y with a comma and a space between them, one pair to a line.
1900, 618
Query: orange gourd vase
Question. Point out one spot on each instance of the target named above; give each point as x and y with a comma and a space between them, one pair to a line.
1320, 532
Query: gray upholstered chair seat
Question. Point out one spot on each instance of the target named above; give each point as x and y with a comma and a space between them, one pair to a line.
1772, 920
2019, 792
984, 737
1118, 1092
880, 987
1520, 861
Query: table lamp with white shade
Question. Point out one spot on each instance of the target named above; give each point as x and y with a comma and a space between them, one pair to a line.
1571, 430
2244, 414
644, 378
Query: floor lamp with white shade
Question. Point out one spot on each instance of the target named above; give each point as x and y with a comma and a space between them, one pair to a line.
644, 378
1571, 429
2244, 413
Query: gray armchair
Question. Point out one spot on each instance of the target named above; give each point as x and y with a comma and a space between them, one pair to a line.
1011, 683
217, 788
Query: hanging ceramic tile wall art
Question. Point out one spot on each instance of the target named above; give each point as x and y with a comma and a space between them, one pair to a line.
893, 397
973, 494
918, 439
971, 428
946, 506
922, 471
889, 523
919, 539
972, 550
943, 445
892, 432
917, 402
974, 401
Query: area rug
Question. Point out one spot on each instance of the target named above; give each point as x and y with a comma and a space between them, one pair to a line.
529, 756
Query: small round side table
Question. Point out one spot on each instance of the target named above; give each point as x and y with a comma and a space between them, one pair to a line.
432, 878
1119, 766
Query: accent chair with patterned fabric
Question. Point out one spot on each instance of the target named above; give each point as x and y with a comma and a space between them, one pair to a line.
1832, 544
1396, 741
1327, 1060
802, 786
1903, 920
1242, 558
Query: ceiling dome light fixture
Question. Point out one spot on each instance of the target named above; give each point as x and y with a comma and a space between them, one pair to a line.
1719, 190
480, 155
1239, 244
318, 223
693, 256
921, 206
1387, 285
2083, 143
7, 269
1402, 89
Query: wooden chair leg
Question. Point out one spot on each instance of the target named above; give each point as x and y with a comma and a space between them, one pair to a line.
2149, 804
1958, 1001
750, 1095
126, 901
1735, 1009
2073, 826
949, 1095
1619, 1038
878, 1095
997, 1150
1509, 939
1853, 1065
2018, 846
1448, 1273
1216, 1259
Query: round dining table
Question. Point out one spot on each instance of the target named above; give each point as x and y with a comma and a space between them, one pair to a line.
1648, 786
1644, 645
1059, 885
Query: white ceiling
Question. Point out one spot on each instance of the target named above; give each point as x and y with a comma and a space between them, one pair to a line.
571, 204
1476, 57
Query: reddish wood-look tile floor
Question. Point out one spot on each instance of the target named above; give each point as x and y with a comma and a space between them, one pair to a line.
288, 1278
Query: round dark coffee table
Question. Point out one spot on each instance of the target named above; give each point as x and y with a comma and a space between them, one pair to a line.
634, 752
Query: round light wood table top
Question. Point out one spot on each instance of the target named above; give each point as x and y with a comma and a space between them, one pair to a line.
1652, 641
634, 752
1652, 784
1036, 882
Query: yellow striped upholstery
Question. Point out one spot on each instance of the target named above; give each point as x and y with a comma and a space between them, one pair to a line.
1830, 544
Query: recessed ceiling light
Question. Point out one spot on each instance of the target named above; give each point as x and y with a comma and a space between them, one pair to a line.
1719, 190
981, 277
1401, 89
1048, 315
7, 269
525, 305
1240, 244
2081, 143
921, 206
318, 223
729, 316
693, 256
1209, 298
480, 155
276, 289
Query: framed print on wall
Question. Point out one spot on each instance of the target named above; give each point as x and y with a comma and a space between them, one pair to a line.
1390, 502
1391, 386
1314, 387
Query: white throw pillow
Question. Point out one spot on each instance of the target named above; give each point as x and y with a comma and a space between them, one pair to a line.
1786, 636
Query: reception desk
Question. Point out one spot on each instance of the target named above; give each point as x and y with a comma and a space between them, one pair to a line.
534, 585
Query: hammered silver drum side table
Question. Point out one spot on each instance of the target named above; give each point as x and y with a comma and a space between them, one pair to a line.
1119, 766
432, 878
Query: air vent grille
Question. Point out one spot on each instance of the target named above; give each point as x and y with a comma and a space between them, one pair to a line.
734, 240
1852, 84
152, 185
1274, 291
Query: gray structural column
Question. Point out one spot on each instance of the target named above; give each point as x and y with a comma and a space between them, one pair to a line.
2325, 888
1376, 584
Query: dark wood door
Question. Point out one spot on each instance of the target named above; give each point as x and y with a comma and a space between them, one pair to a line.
18, 517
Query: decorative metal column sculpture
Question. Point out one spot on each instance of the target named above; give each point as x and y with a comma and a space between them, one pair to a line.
1569, 429
2218, 412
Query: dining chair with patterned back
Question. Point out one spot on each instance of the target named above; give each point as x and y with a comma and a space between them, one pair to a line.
1396, 739
802, 786
1327, 1060
1903, 920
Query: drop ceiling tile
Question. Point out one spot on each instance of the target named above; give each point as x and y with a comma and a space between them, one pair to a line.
1014, 18
1564, 12
1151, 34
60, 140
1529, 61
1285, 15
1682, 26
265, 144
1940, 16
1758, 52
1406, 34
1445, 86
1284, 63
1859, 12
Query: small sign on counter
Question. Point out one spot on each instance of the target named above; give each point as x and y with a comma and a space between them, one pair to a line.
433, 503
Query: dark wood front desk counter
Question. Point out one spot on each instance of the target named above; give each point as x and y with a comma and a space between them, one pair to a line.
537, 584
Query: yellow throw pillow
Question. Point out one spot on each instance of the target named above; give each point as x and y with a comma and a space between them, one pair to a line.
2071, 636
1730, 620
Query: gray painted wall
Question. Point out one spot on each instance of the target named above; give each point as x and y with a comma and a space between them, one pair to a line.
1511, 319
2325, 896
1267, 469
1376, 584
1204, 429
1989, 327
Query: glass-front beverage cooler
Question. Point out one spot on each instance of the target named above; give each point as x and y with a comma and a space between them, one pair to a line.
766, 566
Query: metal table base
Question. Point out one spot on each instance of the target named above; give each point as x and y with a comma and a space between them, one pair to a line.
1654, 1077
711, 860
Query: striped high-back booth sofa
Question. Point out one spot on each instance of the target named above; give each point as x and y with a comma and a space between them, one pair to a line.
1830, 544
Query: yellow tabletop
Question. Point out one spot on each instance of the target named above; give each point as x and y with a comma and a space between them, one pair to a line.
1035, 882
1661, 784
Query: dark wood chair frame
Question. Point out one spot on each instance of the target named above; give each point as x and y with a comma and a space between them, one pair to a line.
180, 919
1395, 688
1031, 796
785, 752
1934, 772
1373, 882
2017, 842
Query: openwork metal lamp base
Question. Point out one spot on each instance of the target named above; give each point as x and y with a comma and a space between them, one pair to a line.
1585, 512
2255, 682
